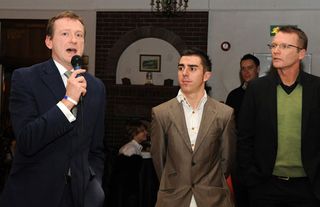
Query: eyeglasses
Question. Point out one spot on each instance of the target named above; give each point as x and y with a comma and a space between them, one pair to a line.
282, 46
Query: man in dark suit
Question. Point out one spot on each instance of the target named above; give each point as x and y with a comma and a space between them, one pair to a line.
193, 140
249, 70
59, 157
279, 142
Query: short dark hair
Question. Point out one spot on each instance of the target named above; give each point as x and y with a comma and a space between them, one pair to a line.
251, 57
205, 60
133, 127
303, 39
61, 15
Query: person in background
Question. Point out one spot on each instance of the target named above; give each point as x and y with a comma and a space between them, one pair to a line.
279, 141
59, 157
193, 140
249, 70
136, 132
125, 183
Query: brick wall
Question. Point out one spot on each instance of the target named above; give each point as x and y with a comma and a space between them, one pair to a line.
115, 32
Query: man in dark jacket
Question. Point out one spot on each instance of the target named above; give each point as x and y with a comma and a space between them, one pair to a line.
279, 141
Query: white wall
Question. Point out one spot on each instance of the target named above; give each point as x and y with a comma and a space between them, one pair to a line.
244, 23
263, 4
248, 31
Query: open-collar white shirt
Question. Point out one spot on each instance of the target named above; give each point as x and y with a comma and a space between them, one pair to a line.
193, 120
192, 116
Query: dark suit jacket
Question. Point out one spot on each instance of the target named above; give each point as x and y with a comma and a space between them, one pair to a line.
257, 141
47, 143
234, 99
183, 172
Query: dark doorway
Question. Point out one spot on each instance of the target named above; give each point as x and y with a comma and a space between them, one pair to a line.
21, 44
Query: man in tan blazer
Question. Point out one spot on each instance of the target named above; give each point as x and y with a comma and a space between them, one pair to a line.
193, 140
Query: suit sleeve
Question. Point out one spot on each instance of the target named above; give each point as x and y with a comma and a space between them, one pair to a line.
158, 143
97, 151
246, 124
33, 130
228, 146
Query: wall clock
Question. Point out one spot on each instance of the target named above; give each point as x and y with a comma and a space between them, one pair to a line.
225, 46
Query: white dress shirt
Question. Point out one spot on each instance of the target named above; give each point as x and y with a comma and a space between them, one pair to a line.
61, 106
193, 120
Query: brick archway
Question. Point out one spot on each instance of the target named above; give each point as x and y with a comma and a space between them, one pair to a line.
140, 33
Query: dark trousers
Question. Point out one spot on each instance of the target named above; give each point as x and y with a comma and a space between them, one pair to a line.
241, 194
94, 196
67, 200
276, 192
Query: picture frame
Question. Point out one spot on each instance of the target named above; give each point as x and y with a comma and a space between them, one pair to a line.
150, 63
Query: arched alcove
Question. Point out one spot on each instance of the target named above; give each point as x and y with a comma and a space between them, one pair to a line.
129, 64
140, 33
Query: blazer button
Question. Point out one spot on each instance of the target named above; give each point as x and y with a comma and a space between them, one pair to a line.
193, 163
192, 185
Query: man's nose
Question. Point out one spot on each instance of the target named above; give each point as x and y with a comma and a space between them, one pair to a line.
185, 71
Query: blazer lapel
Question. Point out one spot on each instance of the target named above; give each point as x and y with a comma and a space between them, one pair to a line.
52, 79
307, 97
208, 116
272, 105
177, 115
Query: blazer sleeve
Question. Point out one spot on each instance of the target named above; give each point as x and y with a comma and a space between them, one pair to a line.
246, 134
228, 144
158, 143
33, 130
97, 151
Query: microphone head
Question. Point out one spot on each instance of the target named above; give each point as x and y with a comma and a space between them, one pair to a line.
76, 62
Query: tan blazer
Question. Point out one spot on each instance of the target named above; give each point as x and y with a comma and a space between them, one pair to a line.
183, 172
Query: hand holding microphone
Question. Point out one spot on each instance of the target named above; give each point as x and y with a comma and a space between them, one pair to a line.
76, 83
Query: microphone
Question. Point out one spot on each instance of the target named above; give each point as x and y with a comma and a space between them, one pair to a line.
76, 62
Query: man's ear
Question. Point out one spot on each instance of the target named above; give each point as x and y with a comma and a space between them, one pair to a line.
207, 75
302, 53
48, 42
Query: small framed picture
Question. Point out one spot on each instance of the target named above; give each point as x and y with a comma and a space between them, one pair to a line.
150, 63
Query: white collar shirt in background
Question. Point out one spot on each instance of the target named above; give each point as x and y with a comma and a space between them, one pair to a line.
131, 148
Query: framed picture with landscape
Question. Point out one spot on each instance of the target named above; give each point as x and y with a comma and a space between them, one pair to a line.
150, 63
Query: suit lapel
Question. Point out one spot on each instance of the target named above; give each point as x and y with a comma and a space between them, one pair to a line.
178, 117
52, 79
208, 116
271, 97
306, 98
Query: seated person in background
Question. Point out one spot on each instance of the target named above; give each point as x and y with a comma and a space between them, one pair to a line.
136, 131
125, 177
